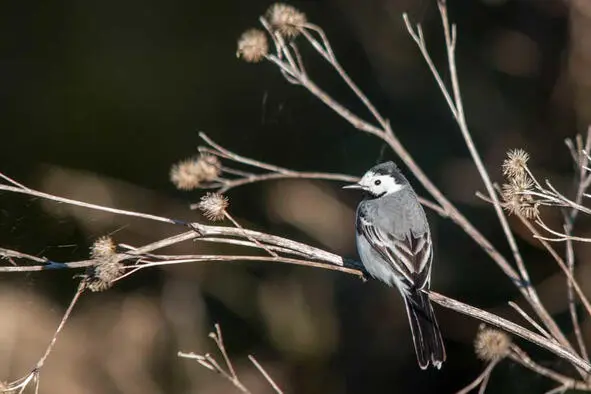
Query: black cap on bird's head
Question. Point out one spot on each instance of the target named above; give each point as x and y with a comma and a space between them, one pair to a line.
389, 168
386, 168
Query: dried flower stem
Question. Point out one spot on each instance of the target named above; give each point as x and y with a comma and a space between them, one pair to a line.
219, 341
456, 107
251, 244
22, 383
530, 320
560, 262
581, 160
519, 356
326, 51
558, 390
210, 363
480, 379
484, 384
24, 190
230, 374
237, 225
497, 321
265, 374
183, 259
277, 172
81, 288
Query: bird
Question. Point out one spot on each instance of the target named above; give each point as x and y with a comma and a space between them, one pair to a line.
394, 243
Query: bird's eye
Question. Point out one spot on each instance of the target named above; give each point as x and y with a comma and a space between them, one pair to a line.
377, 182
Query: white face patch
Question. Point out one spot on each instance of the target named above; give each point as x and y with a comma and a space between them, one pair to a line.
379, 185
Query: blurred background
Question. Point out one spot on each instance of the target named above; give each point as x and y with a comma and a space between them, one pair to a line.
99, 99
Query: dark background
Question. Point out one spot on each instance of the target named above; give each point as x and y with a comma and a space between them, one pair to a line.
99, 99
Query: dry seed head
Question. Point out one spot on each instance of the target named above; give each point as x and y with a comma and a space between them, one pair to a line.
102, 248
104, 273
107, 266
186, 174
515, 163
516, 199
210, 167
285, 19
491, 344
213, 206
189, 174
253, 46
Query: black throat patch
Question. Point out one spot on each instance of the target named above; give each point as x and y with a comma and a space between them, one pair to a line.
371, 196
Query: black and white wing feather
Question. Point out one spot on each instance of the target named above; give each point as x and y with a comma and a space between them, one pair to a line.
409, 255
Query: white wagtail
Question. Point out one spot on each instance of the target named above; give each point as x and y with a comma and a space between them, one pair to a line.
394, 243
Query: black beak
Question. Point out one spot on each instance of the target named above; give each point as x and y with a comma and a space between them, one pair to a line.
354, 186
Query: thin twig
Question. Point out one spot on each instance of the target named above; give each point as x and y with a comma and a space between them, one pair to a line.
560, 262
219, 341
265, 374
344, 76
181, 259
487, 317
249, 244
530, 320
484, 384
225, 185
257, 242
581, 160
519, 356
34, 374
229, 184
558, 390
211, 363
65, 318
31, 192
480, 378
242, 159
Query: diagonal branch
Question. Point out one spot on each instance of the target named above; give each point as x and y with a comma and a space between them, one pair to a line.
455, 103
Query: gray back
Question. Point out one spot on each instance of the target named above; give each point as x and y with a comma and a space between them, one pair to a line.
397, 213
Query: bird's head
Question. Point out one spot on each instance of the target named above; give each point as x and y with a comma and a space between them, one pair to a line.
381, 180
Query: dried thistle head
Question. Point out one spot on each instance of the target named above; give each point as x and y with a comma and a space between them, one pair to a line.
213, 206
516, 198
253, 46
285, 19
189, 174
107, 266
210, 167
515, 163
491, 344
103, 248
186, 174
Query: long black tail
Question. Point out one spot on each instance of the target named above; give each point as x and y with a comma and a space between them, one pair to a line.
425, 330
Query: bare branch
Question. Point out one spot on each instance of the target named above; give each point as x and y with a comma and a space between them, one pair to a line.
519, 356
276, 172
480, 379
497, 321
561, 264
530, 320
22, 383
265, 374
